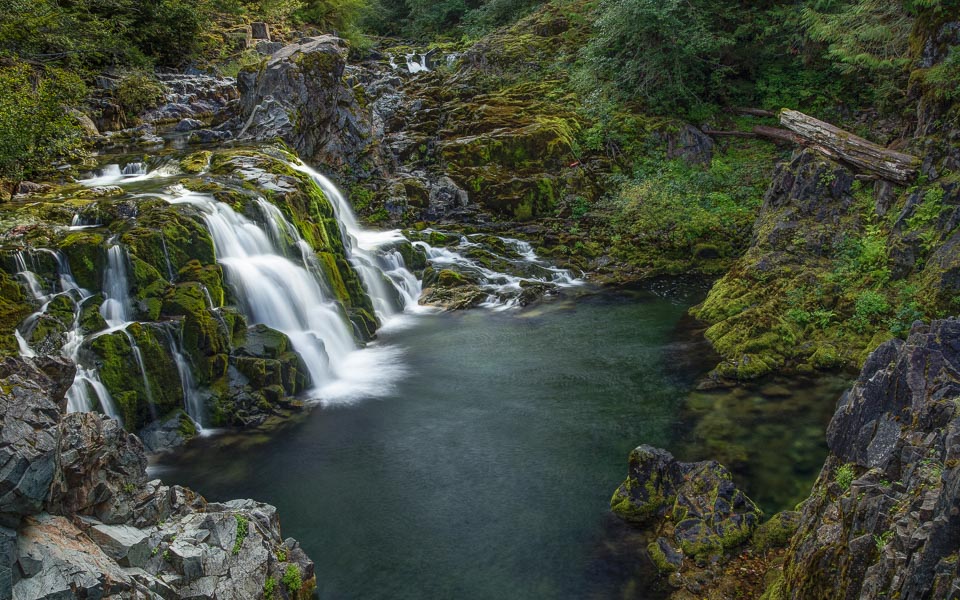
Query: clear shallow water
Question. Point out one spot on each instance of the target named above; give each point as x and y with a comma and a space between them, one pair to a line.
488, 471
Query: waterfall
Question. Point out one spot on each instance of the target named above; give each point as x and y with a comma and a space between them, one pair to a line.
274, 290
115, 309
192, 400
390, 285
276, 279
417, 63
87, 391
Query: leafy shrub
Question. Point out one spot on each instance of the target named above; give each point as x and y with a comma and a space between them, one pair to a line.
843, 476
138, 92
36, 129
868, 309
292, 578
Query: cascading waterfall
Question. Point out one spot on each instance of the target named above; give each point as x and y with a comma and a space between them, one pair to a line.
87, 391
274, 290
277, 280
192, 400
391, 286
115, 309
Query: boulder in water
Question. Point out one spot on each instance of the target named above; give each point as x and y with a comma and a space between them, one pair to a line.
697, 505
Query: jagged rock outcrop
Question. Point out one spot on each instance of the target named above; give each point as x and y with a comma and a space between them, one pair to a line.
80, 520
837, 266
883, 520
299, 95
695, 509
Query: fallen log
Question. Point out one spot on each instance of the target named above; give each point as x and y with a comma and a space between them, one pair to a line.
753, 112
844, 146
771, 133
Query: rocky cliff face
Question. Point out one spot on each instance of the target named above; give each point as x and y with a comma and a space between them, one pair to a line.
883, 520
79, 518
838, 264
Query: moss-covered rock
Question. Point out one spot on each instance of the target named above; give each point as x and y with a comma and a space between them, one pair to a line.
696, 504
86, 254
143, 388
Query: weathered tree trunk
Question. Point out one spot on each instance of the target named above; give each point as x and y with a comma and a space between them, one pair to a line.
847, 147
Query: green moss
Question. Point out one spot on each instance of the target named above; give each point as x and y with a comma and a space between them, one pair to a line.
196, 162
776, 532
660, 559
139, 401
86, 254
14, 308
204, 336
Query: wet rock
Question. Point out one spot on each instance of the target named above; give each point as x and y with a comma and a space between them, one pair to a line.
30, 407
188, 125
81, 521
698, 504
883, 520
207, 136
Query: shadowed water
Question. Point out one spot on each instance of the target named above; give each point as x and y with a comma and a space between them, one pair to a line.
488, 474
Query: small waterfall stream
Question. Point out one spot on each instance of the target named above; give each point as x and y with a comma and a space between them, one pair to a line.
87, 391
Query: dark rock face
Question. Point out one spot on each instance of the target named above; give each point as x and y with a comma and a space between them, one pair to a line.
884, 517
695, 507
299, 96
80, 520
29, 412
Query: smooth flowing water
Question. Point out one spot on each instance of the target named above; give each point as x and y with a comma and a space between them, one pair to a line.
487, 474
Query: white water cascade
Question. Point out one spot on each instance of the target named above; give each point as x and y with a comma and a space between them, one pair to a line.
87, 391
290, 296
277, 280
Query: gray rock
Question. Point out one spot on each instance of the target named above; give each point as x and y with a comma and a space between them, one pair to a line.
267, 48
126, 544
260, 31
30, 408
300, 97
188, 125
895, 532
59, 561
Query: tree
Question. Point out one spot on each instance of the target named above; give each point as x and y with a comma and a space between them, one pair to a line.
36, 129
664, 52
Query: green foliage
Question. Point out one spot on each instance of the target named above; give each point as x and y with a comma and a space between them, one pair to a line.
137, 92
672, 72
843, 476
882, 540
677, 211
868, 310
292, 578
867, 39
36, 129
98, 33
242, 524
269, 587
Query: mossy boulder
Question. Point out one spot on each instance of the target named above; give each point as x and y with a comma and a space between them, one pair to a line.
14, 308
697, 504
204, 335
86, 254
142, 391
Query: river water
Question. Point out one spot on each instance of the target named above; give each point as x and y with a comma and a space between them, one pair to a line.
487, 470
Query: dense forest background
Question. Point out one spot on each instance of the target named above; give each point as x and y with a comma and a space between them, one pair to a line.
686, 58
